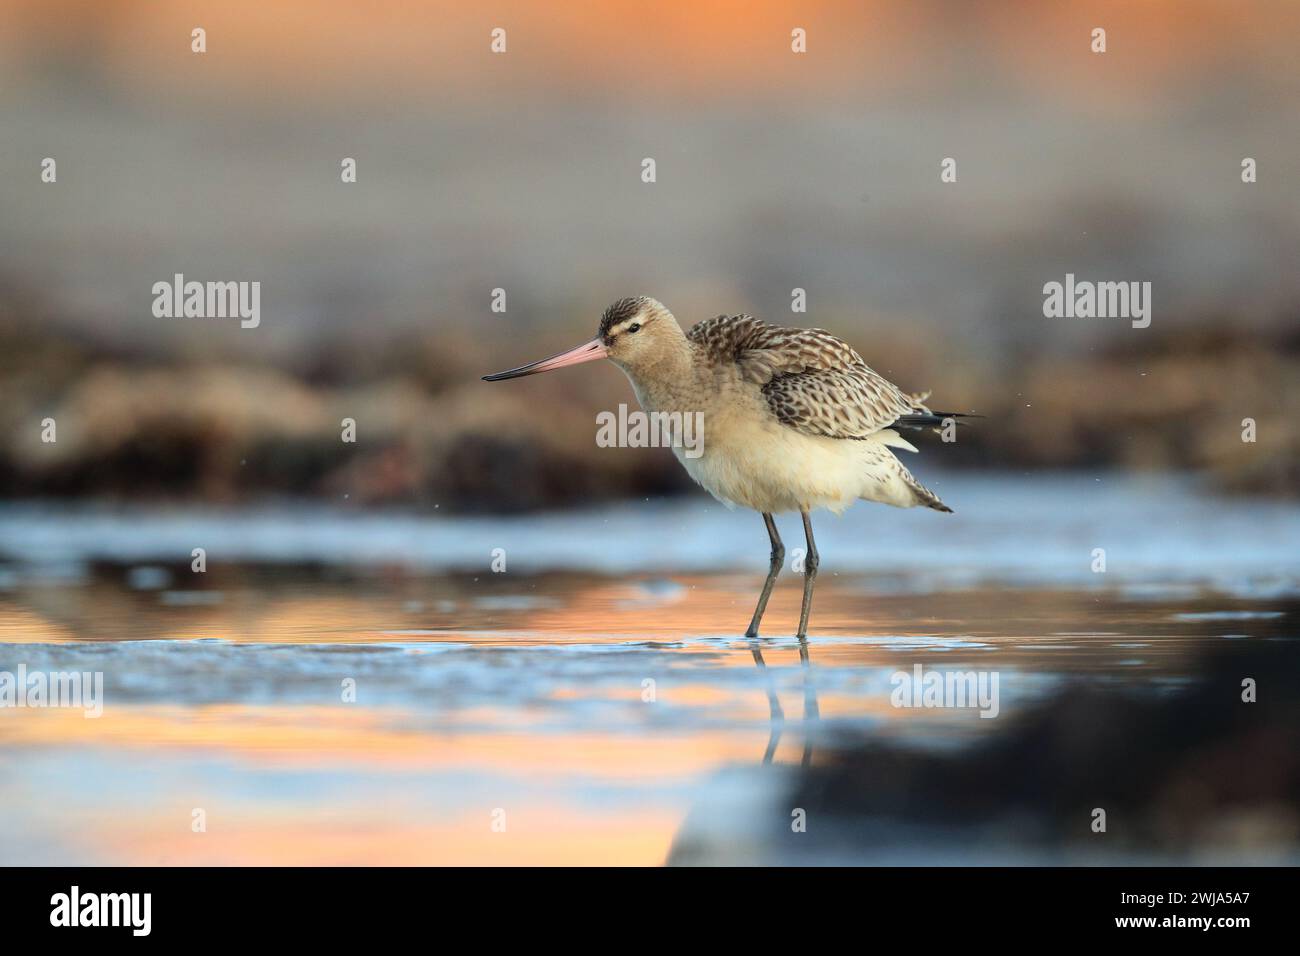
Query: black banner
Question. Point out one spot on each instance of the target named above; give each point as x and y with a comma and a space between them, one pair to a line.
301, 905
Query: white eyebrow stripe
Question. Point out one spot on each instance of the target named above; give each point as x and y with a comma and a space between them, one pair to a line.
623, 326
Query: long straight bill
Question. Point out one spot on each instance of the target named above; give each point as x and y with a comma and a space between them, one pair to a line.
595, 349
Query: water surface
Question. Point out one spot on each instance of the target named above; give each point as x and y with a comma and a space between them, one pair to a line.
596, 702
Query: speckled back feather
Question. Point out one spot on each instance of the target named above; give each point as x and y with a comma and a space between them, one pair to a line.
813, 382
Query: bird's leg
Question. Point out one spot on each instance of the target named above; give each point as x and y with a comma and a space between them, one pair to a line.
809, 575
778, 556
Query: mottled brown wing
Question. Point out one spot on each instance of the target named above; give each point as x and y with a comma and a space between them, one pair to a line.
812, 381
727, 336
851, 402
763, 351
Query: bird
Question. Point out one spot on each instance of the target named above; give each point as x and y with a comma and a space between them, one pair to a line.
793, 419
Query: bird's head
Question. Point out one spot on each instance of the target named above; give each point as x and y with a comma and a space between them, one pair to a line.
634, 333
637, 332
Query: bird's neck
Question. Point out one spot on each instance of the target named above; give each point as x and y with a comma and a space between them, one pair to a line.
670, 382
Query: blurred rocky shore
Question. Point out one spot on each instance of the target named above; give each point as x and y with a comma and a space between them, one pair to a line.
141, 420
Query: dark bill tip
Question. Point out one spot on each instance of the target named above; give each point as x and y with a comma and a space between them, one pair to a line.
587, 352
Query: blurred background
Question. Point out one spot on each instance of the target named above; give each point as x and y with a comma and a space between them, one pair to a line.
501, 589
521, 171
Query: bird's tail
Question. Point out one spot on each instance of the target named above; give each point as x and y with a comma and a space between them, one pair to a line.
923, 420
891, 483
924, 496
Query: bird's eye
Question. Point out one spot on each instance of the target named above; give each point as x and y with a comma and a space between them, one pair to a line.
634, 327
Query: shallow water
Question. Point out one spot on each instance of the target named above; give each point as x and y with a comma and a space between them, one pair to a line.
554, 713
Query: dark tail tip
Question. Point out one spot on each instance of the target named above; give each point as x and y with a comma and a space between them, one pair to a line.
920, 420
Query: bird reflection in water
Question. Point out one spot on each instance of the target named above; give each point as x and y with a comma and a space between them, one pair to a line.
811, 712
